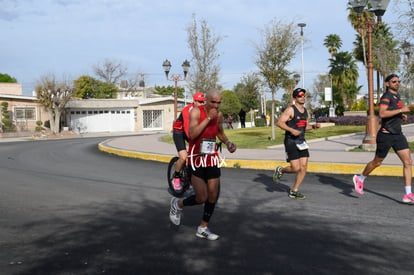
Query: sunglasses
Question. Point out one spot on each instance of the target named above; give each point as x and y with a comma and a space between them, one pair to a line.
301, 96
200, 101
215, 102
395, 81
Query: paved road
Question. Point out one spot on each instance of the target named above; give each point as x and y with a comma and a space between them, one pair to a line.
68, 208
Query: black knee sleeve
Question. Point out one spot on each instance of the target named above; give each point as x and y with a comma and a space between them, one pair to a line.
208, 211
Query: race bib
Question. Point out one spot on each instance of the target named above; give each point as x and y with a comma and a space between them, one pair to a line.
208, 146
302, 146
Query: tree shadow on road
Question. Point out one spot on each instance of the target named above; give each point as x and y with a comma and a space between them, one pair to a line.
115, 239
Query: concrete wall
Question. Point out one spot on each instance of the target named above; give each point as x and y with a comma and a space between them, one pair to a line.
11, 88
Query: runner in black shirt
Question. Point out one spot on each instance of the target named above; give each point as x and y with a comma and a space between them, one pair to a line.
390, 135
294, 121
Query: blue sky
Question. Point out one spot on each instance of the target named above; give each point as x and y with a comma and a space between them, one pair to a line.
68, 37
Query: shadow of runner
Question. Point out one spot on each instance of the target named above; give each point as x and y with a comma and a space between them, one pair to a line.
347, 186
270, 186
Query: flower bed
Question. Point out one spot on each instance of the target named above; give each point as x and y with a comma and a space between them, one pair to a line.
355, 120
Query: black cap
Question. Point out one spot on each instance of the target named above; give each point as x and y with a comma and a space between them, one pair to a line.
391, 76
298, 91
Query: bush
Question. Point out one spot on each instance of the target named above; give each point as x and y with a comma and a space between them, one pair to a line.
260, 122
6, 121
38, 127
355, 120
344, 120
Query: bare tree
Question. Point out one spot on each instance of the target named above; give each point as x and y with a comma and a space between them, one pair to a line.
135, 84
279, 45
53, 95
405, 24
204, 74
110, 71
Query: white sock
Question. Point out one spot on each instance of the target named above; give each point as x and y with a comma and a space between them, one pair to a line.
407, 190
362, 177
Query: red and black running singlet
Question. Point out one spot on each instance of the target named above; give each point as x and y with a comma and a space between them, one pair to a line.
393, 102
195, 155
298, 122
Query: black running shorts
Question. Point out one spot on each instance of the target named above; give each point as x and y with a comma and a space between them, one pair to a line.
387, 141
206, 173
292, 152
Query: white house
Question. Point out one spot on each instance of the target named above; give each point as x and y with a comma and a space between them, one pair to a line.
120, 115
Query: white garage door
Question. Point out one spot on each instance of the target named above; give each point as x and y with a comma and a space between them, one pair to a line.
92, 121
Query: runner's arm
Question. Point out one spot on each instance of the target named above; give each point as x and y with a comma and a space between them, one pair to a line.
196, 127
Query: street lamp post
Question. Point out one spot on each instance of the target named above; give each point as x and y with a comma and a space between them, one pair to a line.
378, 7
302, 25
294, 82
167, 66
406, 47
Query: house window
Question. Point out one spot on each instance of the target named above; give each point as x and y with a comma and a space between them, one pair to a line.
152, 119
25, 113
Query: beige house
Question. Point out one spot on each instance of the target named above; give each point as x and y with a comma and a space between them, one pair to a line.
24, 111
134, 114
120, 115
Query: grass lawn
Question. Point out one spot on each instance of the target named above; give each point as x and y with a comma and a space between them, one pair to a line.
260, 137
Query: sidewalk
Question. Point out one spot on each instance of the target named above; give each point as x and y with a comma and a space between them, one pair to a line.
328, 155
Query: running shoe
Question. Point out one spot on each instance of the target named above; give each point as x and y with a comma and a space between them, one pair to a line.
205, 233
408, 198
296, 195
358, 185
175, 211
177, 184
277, 174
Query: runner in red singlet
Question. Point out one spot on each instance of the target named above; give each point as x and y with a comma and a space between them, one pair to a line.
206, 123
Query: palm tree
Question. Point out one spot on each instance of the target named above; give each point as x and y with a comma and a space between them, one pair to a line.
385, 55
344, 71
333, 42
358, 23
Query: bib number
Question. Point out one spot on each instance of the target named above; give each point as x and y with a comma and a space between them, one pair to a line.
208, 146
302, 146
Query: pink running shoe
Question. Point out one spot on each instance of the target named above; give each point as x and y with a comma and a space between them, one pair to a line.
177, 184
408, 198
358, 185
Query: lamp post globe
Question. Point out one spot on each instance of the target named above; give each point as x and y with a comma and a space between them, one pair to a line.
176, 78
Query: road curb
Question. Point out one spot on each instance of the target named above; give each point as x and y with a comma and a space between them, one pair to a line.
313, 167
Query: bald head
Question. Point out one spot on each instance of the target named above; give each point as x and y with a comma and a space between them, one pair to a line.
212, 93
